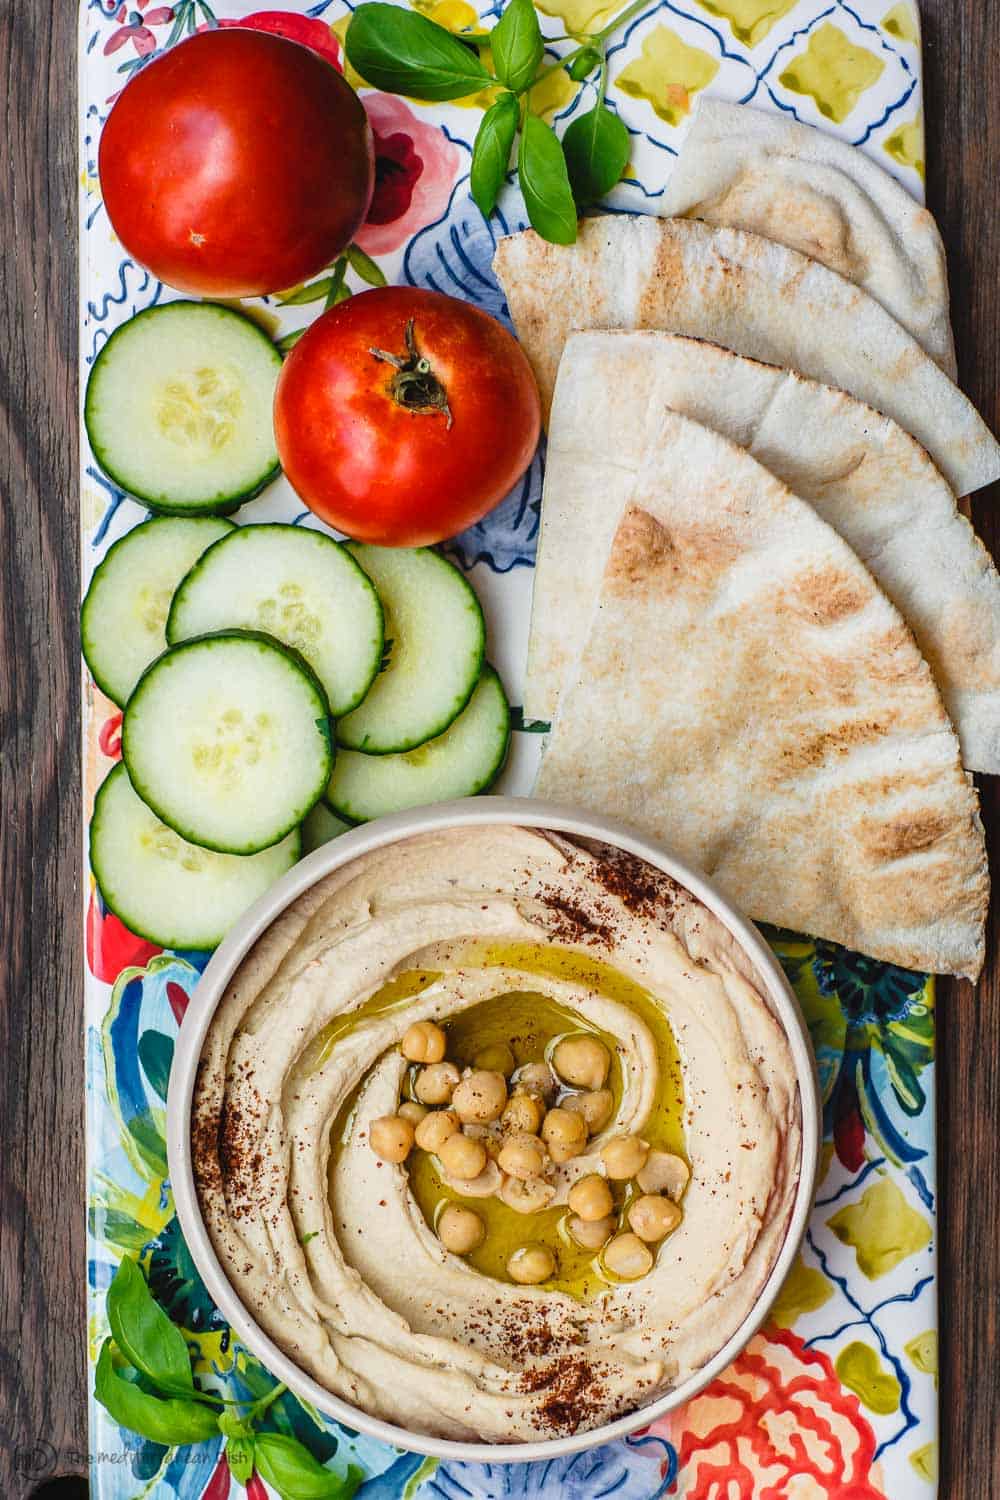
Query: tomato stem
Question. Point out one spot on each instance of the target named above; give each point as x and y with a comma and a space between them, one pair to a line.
414, 386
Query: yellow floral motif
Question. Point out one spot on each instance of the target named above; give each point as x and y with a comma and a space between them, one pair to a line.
881, 1228
833, 71
580, 15
901, 22
552, 94
924, 1460
804, 1290
750, 20
667, 74
922, 1351
906, 144
860, 1369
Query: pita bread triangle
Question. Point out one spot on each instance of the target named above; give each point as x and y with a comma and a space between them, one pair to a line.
864, 475
748, 696
763, 171
751, 295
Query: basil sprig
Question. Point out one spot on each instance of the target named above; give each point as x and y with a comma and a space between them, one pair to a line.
145, 1380
403, 52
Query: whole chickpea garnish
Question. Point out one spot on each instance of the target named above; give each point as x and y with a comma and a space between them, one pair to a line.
423, 1042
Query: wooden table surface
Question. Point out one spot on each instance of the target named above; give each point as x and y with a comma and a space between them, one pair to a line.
43, 1429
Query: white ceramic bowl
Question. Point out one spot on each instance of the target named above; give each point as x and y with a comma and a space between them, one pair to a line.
472, 812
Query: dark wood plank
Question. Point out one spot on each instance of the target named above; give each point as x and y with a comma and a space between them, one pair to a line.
42, 1328
42, 1312
962, 79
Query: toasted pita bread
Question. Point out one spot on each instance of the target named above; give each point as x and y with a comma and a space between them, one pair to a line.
759, 170
751, 295
749, 696
864, 475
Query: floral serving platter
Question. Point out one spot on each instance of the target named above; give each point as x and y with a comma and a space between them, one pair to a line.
837, 1396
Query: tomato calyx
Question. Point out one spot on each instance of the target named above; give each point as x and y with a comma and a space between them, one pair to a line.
414, 387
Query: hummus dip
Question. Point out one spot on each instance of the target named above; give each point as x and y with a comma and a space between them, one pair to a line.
506, 938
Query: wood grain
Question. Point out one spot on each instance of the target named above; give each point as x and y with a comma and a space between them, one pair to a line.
962, 80
42, 1314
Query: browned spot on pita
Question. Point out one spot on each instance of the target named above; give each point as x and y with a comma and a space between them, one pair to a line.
830, 596
667, 278
907, 833
813, 751
641, 546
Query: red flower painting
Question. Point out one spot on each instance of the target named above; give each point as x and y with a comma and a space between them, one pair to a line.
777, 1423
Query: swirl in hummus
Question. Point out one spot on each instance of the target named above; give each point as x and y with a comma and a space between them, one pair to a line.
495, 932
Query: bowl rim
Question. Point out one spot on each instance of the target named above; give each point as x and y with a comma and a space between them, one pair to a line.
469, 813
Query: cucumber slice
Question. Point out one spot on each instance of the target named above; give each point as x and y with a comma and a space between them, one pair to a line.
163, 889
178, 407
227, 739
320, 826
435, 636
125, 610
301, 587
464, 760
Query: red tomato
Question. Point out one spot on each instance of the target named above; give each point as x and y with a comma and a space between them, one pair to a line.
236, 164
403, 416
311, 33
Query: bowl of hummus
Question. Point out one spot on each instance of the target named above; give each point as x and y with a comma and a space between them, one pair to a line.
493, 1130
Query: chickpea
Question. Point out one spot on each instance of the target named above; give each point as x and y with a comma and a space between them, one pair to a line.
564, 1133
626, 1256
652, 1217
435, 1128
523, 1156
590, 1198
664, 1173
595, 1106
623, 1156
495, 1059
537, 1079
487, 1185
480, 1097
461, 1158
528, 1196
582, 1061
436, 1083
423, 1042
391, 1137
412, 1111
460, 1229
591, 1234
531, 1264
523, 1113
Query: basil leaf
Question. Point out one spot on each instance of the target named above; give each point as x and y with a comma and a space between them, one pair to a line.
491, 152
403, 52
544, 182
287, 344
172, 1422
240, 1458
516, 45
362, 265
597, 150
288, 1465
144, 1333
